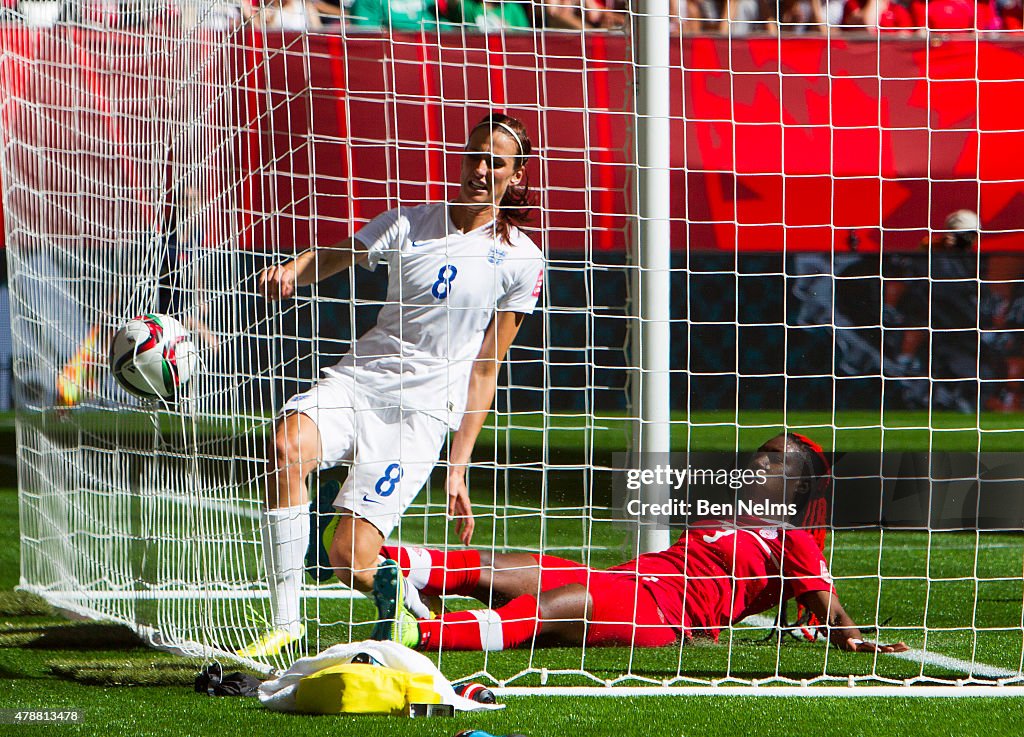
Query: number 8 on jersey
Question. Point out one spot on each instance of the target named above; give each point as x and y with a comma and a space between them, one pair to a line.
445, 276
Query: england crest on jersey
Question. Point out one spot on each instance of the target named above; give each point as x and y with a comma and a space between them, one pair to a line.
497, 255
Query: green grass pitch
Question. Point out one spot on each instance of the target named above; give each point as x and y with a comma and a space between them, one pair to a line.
958, 595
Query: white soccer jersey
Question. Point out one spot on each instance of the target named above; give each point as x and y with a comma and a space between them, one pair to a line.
444, 287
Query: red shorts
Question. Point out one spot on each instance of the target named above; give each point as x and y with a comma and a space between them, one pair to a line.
624, 612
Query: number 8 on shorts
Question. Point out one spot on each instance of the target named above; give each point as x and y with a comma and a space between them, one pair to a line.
385, 485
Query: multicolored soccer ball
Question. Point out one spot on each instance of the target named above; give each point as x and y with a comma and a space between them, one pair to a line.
476, 692
153, 357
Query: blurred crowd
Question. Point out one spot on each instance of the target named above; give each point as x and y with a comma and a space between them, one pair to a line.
952, 319
730, 17
907, 17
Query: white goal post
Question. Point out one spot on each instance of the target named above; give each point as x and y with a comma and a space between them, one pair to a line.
732, 229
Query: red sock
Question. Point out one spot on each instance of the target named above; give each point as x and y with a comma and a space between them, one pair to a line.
438, 572
483, 629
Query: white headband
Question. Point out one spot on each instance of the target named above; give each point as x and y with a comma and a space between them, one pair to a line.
508, 129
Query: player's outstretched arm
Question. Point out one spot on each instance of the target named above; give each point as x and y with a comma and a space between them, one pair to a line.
281, 280
842, 632
483, 382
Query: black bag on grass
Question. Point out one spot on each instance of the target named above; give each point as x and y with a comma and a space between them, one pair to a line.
212, 682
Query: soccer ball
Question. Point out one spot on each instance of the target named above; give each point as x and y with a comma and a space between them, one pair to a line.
153, 357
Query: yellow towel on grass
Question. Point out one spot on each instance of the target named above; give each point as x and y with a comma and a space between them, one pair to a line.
356, 688
329, 683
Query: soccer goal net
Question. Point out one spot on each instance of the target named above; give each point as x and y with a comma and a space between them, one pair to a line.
744, 234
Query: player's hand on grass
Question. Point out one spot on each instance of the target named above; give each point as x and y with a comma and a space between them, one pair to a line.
278, 282
855, 645
843, 632
459, 507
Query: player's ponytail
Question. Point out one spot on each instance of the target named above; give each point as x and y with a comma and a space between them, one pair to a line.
516, 203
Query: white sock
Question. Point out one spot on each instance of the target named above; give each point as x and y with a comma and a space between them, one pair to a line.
414, 604
285, 538
419, 566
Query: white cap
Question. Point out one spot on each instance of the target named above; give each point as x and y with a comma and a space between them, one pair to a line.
962, 220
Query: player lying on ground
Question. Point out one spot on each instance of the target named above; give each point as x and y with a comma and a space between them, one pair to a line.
461, 278
717, 574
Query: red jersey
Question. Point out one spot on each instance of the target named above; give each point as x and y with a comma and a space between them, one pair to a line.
719, 573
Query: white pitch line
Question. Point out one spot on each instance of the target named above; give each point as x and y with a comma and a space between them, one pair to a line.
920, 657
239, 507
951, 663
858, 692
843, 548
55, 597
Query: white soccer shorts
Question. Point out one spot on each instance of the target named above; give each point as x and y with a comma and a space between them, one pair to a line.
391, 450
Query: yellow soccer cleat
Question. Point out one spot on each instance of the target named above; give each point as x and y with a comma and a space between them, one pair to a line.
406, 629
271, 643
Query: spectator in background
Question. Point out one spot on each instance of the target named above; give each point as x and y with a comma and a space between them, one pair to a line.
1011, 13
689, 16
579, 14
730, 17
793, 16
876, 14
950, 15
960, 15
330, 11
1002, 336
399, 15
489, 17
219, 16
283, 15
935, 301
934, 15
